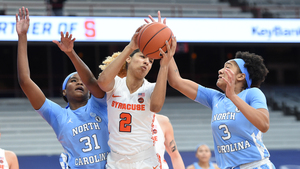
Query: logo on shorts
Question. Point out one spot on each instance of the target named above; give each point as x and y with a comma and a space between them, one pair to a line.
98, 119
141, 100
154, 131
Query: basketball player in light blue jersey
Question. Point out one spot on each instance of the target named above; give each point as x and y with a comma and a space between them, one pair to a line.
81, 127
240, 115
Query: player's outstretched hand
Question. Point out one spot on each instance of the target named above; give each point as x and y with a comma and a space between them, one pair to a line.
66, 43
153, 20
22, 21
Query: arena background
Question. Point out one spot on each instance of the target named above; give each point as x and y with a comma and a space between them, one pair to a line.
219, 35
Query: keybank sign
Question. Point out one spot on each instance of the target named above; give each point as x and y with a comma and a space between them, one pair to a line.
121, 29
277, 31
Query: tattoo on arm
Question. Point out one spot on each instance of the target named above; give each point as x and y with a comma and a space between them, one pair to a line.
176, 70
173, 146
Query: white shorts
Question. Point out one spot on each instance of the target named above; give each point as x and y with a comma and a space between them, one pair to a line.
144, 160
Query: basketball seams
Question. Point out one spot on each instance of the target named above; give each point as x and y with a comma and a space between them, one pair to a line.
161, 47
141, 33
153, 37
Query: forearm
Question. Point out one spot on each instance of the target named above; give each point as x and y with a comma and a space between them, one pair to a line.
22, 60
260, 119
159, 93
177, 161
173, 74
111, 71
82, 69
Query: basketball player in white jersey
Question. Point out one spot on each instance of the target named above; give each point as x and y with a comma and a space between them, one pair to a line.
131, 102
164, 140
8, 159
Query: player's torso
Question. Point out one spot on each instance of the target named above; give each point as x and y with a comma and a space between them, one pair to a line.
84, 135
235, 137
130, 119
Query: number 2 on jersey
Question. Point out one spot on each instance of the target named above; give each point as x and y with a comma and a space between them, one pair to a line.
124, 124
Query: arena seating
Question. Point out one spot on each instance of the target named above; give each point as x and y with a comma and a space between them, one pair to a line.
140, 8
24, 131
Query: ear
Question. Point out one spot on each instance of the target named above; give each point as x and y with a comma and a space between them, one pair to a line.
128, 59
64, 92
240, 76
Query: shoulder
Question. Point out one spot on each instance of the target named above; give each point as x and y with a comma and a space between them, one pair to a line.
162, 119
190, 166
10, 156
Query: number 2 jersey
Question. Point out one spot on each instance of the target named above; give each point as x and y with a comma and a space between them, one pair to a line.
130, 120
236, 140
83, 132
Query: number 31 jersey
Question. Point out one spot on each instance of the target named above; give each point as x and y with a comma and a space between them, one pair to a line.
130, 120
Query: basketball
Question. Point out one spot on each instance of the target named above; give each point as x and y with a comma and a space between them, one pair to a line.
152, 37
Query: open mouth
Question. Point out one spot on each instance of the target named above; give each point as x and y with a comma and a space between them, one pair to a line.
79, 89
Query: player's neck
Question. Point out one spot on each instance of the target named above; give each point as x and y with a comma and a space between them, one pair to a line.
203, 165
134, 85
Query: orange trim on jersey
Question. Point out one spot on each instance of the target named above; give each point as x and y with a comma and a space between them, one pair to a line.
159, 160
124, 106
152, 127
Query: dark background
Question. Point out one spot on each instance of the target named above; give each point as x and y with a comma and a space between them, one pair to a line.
199, 62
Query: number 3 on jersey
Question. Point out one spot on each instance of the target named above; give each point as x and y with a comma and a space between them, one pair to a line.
125, 122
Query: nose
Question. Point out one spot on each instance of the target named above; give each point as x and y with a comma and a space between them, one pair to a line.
79, 82
146, 61
221, 71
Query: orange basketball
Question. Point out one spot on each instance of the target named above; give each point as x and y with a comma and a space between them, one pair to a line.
152, 37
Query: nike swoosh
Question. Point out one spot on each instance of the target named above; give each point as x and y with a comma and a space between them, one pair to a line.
115, 96
155, 167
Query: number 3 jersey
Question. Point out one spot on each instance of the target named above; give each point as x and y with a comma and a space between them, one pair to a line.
83, 132
130, 120
236, 140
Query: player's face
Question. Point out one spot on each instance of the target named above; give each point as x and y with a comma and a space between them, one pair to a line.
140, 64
203, 153
75, 89
231, 64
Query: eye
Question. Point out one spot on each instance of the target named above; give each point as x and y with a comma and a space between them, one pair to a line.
151, 60
73, 80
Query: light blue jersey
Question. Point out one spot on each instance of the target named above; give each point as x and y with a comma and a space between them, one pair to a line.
236, 140
83, 132
211, 165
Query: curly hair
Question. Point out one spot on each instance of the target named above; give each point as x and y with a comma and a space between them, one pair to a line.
123, 71
255, 66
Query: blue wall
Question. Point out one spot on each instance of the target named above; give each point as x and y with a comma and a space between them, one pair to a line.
278, 157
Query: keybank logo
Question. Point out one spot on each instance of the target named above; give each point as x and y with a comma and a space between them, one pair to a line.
277, 31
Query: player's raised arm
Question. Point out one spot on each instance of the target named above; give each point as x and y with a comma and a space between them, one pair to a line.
106, 77
31, 90
66, 45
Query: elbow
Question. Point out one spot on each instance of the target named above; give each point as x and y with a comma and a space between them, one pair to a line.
265, 128
155, 108
173, 83
101, 81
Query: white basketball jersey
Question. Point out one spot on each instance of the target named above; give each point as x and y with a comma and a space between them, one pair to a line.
130, 121
3, 162
159, 139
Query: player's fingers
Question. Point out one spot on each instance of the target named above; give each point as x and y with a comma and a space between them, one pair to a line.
23, 12
162, 53
67, 35
61, 34
151, 18
70, 36
20, 13
168, 46
165, 21
17, 19
73, 39
146, 21
56, 42
159, 16
27, 13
